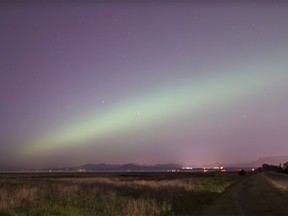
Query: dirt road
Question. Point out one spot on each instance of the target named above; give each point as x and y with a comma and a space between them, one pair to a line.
277, 179
252, 195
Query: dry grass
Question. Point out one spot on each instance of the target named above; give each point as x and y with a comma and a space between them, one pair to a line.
142, 207
17, 197
105, 195
187, 184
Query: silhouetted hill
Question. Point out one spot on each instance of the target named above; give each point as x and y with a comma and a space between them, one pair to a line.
275, 160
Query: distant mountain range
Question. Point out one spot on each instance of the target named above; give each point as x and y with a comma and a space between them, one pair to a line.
275, 160
102, 167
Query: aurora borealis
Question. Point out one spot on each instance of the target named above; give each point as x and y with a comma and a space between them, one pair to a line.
142, 82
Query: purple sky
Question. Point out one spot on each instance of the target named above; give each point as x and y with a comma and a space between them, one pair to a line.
145, 82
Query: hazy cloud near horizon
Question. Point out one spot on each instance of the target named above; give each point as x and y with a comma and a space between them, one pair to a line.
145, 83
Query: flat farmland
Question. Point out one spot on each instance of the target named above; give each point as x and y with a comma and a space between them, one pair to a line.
111, 193
143, 194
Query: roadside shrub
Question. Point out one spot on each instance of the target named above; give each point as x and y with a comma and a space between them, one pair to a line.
241, 172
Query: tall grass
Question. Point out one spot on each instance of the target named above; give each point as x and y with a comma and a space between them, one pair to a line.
108, 196
15, 197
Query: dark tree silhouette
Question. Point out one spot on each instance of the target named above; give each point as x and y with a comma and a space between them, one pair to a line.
242, 172
285, 167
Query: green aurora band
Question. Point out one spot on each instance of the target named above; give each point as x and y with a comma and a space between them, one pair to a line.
155, 107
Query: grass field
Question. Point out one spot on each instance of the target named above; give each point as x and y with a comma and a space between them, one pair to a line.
110, 194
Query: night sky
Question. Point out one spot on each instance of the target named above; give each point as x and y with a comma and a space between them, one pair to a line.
143, 82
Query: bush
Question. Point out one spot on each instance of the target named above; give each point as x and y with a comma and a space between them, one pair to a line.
241, 172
